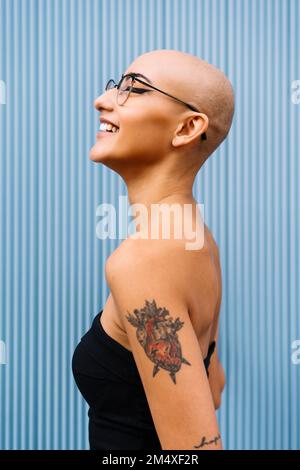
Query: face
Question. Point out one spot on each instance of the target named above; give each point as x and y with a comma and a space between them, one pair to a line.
146, 123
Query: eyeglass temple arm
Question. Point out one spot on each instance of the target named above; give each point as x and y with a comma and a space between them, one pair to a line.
203, 136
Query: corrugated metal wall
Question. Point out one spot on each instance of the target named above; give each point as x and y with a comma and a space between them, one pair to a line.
55, 58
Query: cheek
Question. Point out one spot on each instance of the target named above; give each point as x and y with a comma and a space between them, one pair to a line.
149, 143
151, 134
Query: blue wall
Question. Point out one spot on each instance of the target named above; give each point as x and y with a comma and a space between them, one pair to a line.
55, 58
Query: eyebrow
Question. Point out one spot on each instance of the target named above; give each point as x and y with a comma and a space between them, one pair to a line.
142, 76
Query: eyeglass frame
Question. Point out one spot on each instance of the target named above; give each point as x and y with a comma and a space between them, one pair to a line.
190, 106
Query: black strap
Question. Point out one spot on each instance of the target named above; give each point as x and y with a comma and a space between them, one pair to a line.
211, 349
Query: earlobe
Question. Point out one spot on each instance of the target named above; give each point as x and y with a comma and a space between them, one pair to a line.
180, 139
177, 140
177, 137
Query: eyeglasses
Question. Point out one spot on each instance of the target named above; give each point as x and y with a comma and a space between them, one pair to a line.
125, 87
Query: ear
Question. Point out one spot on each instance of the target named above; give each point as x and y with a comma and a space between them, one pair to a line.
191, 129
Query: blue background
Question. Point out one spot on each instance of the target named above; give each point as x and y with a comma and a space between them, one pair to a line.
55, 58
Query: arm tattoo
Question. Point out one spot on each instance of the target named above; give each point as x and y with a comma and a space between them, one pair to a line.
205, 443
157, 335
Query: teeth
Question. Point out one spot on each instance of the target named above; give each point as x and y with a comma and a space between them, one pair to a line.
107, 127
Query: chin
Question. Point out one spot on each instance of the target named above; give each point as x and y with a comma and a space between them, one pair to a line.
96, 154
94, 157
100, 156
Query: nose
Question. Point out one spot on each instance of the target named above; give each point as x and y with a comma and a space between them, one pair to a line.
105, 100
97, 102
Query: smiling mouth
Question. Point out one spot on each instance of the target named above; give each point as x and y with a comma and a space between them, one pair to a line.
108, 128
107, 132
101, 134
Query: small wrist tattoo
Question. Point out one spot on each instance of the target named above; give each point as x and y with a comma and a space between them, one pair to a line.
204, 442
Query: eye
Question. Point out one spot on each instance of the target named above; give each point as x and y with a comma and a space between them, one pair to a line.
139, 90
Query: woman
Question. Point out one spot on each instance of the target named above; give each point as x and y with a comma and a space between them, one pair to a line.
149, 366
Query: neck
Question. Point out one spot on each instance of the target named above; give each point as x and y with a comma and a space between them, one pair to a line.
154, 186
159, 184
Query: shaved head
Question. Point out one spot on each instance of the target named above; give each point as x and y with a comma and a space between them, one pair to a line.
157, 133
196, 82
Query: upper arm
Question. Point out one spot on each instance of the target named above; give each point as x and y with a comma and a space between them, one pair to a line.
167, 353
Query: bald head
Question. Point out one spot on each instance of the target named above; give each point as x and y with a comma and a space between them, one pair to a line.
158, 132
196, 82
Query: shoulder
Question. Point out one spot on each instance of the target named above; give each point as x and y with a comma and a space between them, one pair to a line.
146, 261
133, 254
161, 266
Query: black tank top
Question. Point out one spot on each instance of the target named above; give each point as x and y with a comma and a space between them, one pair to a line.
107, 376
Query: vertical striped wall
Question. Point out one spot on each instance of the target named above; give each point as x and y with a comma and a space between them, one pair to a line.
55, 58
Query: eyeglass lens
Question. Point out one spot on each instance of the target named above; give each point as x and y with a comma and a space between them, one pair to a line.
124, 88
